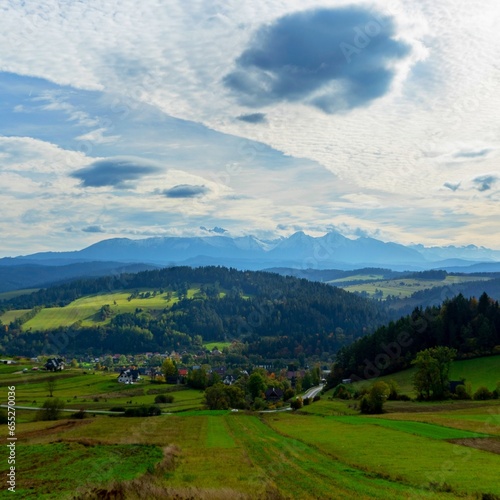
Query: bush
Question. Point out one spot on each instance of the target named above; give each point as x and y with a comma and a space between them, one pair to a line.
373, 402
143, 411
3, 416
461, 392
296, 404
259, 404
117, 408
404, 397
80, 414
306, 401
289, 394
164, 398
482, 394
51, 409
317, 397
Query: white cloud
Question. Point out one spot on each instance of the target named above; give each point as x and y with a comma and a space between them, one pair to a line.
389, 161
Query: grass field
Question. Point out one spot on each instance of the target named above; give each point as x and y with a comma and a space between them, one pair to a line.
87, 309
479, 372
403, 287
219, 345
326, 451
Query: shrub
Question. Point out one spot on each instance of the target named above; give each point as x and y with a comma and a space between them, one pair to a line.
51, 409
289, 394
373, 402
3, 416
461, 392
164, 398
306, 401
143, 411
117, 408
482, 394
80, 414
404, 397
259, 404
296, 404
317, 397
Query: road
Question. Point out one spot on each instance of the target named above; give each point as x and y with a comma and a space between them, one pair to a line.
103, 412
313, 391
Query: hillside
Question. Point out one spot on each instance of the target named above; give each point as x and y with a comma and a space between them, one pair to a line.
484, 371
180, 308
470, 326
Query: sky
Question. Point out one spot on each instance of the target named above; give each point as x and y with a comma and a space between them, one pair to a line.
125, 118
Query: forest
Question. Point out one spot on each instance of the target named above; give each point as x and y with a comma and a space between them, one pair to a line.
274, 316
469, 325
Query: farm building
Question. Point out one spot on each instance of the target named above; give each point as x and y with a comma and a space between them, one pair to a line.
54, 365
129, 376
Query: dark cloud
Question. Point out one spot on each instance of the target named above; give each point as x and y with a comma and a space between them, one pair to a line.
117, 172
253, 118
451, 186
216, 229
334, 59
93, 229
472, 154
185, 191
485, 182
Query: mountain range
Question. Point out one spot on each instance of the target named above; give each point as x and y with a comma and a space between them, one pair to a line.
299, 251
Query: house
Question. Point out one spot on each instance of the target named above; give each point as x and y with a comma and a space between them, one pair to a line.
129, 376
347, 381
54, 365
273, 394
229, 380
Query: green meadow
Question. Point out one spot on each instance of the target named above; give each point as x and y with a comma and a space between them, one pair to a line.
326, 450
87, 309
402, 287
478, 372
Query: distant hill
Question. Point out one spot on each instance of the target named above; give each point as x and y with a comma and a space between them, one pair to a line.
298, 251
274, 316
37, 275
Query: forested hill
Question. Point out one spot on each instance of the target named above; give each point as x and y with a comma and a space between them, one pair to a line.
275, 316
470, 326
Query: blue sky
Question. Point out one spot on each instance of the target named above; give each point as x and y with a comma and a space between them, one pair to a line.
130, 119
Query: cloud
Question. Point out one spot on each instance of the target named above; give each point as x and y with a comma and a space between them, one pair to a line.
485, 182
472, 154
333, 59
451, 186
216, 229
93, 229
253, 118
116, 172
185, 191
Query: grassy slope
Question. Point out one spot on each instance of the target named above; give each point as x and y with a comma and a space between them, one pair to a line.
226, 455
480, 371
86, 310
404, 287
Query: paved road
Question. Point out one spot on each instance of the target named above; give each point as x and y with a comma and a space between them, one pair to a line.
310, 393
